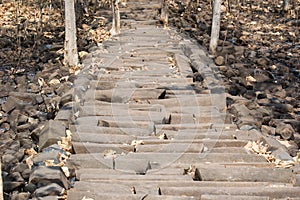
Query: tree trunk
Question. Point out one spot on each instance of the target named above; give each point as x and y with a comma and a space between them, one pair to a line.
1, 184
285, 6
164, 15
116, 17
215, 29
71, 54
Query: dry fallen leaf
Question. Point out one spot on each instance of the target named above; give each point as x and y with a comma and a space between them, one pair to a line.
30, 152
137, 142
50, 163
66, 142
190, 170
257, 147
66, 171
29, 161
41, 82
109, 153
261, 149
250, 79
54, 82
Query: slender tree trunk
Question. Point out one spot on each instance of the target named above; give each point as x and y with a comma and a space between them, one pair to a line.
285, 6
1, 184
71, 54
164, 15
116, 17
215, 29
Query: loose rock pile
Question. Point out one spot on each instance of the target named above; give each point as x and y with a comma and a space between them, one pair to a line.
29, 103
34, 85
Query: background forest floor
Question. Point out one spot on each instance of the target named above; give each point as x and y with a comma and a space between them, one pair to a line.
258, 56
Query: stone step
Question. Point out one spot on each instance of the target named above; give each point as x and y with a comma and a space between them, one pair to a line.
170, 148
122, 120
110, 130
271, 192
244, 173
160, 160
231, 164
134, 106
119, 121
115, 46
163, 159
129, 123
149, 31
171, 145
161, 65
145, 56
92, 147
187, 109
179, 118
120, 178
150, 51
119, 77
233, 197
147, 134
209, 127
102, 138
79, 195
88, 178
119, 95
205, 133
174, 93
197, 100
184, 189
107, 85
119, 111
92, 171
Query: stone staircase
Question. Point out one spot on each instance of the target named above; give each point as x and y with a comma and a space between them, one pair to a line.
151, 123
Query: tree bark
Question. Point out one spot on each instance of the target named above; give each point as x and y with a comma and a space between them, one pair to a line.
71, 54
215, 29
116, 17
164, 15
285, 6
1, 184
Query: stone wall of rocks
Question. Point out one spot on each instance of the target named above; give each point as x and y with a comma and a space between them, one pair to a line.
31, 158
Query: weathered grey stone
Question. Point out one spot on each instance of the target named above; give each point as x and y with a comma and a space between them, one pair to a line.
67, 97
9, 186
9, 159
30, 187
286, 131
297, 180
20, 167
51, 133
26, 173
20, 196
44, 175
293, 149
51, 155
10, 104
27, 98
268, 130
16, 176
52, 189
